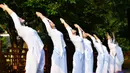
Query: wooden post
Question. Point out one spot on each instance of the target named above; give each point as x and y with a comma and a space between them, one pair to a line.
0, 55
0, 48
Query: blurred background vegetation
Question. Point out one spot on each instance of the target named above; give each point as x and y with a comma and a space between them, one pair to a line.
94, 16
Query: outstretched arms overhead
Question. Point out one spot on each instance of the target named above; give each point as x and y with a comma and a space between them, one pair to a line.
16, 19
63, 22
79, 29
71, 32
48, 23
113, 38
108, 36
40, 15
6, 8
97, 39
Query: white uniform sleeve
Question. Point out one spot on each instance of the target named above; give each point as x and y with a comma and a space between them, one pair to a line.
47, 24
16, 21
93, 39
68, 28
112, 48
106, 53
97, 45
61, 47
113, 40
109, 41
119, 55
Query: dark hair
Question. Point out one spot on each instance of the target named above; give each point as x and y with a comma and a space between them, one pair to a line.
24, 23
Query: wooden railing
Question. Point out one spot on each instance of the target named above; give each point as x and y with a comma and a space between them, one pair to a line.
13, 60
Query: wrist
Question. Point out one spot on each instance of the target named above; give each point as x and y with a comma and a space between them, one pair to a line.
5, 7
41, 16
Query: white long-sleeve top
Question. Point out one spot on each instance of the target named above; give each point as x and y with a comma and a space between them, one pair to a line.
87, 45
30, 36
88, 48
106, 53
97, 45
77, 40
106, 60
56, 36
116, 52
112, 48
119, 58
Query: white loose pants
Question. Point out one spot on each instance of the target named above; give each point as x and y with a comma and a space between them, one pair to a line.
32, 65
88, 63
100, 63
59, 63
78, 62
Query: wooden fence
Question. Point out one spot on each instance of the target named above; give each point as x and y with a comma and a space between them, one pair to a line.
14, 59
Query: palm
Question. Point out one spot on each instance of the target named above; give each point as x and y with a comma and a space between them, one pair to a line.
76, 25
1, 5
62, 21
38, 14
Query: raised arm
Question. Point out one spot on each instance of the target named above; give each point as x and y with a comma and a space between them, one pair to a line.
63, 22
13, 15
119, 52
113, 38
79, 29
97, 39
92, 38
97, 43
108, 38
45, 20
111, 45
6, 8
68, 28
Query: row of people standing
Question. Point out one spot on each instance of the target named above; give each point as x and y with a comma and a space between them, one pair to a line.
106, 62
83, 56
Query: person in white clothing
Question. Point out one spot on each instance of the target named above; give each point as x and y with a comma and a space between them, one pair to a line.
106, 60
58, 59
101, 57
105, 68
78, 58
88, 50
35, 56
119, 59
116, 53
112, 54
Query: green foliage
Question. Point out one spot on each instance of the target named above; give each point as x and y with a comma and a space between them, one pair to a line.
4, 43
1, 29
93, 16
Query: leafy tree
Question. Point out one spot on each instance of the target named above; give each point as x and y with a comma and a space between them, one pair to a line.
93, 16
